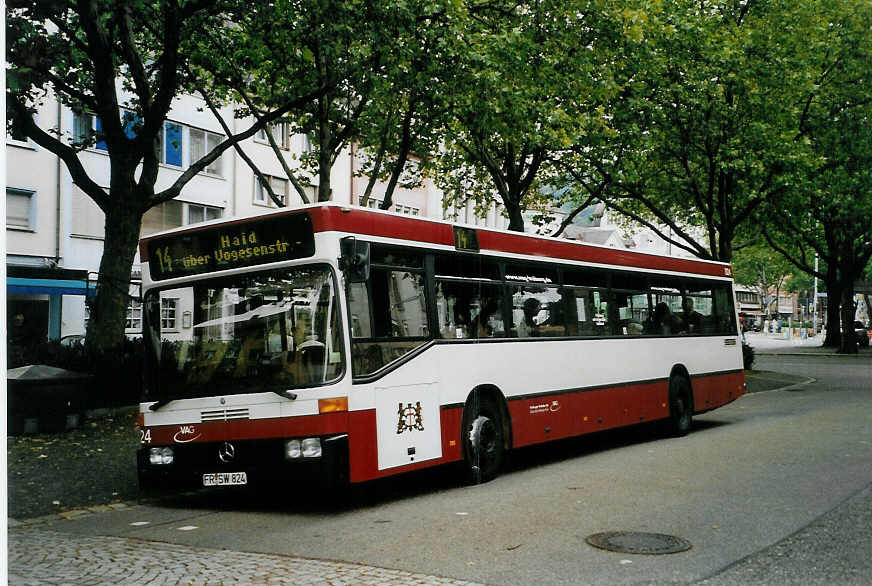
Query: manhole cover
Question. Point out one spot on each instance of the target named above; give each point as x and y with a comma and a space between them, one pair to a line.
635, 542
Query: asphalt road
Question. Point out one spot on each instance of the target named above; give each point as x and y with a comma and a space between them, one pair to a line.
772, 469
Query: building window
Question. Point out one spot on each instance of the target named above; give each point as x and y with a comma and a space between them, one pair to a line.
20, 209
370, 203
279, 187
407, 210
134, 315
200, 213
171, 140
132, 122
85, 126
168, 314
281, 133
202, 142
162, 217
308, 144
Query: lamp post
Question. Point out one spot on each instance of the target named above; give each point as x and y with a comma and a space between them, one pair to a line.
814, 301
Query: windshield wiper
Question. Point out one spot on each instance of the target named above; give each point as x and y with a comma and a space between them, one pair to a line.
157, 405
285, 393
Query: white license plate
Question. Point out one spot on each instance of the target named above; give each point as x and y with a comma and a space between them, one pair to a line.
225, 479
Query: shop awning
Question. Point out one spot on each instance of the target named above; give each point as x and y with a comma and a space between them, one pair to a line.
43, 281
47, 286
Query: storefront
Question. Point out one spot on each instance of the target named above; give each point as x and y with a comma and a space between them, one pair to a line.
35, 301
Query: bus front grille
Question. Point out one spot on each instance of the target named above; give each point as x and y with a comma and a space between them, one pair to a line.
223, 414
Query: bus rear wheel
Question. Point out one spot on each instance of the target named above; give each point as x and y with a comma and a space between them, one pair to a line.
485, 444
680, 406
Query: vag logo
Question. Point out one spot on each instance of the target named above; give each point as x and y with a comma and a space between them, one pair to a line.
186, 433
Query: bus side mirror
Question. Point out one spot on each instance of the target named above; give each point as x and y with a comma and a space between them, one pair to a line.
354, 261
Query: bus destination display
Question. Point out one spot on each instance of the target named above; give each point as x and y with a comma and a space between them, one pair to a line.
244, 244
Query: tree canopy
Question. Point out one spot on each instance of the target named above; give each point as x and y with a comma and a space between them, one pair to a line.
529, 85
711, 123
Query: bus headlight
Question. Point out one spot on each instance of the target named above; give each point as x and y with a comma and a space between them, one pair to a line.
160, 456
292, 449
307, 448
311, 447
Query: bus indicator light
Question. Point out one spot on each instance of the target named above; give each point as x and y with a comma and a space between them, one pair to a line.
333, 405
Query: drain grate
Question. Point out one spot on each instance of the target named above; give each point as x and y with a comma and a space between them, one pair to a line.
635, 542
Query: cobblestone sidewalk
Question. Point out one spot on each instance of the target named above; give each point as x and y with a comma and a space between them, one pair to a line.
38, 556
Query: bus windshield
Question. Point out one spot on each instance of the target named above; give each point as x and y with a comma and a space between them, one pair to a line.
256, 332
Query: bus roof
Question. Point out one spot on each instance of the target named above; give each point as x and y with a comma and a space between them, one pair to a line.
333, 217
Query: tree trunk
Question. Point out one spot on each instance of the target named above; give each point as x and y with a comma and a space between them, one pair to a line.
834, 334
513, 209
848, 343
325, 148
109, 308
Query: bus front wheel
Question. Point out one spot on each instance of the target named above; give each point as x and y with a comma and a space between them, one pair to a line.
485, 444
680, 406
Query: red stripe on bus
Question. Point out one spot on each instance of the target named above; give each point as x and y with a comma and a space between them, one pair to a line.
370, 223
250, 429
712, 391
363, 445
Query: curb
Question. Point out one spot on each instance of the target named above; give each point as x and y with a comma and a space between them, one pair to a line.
790, 387
770, 353
70, 515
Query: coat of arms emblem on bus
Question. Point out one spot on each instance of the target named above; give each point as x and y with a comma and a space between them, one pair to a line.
409, 418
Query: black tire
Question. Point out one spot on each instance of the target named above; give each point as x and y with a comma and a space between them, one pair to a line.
680, 406
484, 443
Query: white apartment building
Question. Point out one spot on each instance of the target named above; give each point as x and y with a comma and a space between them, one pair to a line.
54, 232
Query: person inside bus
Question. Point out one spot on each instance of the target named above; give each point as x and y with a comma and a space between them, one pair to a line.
462, 319
528, 328
692, 319
662, 322
481, 323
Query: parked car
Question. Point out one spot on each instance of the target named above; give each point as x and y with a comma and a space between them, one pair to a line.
861, 334
72, 340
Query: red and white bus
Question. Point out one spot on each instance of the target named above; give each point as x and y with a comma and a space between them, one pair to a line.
339, 344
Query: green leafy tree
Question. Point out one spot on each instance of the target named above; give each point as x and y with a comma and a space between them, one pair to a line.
828, 212
763, 271
704, 123
126, 62
528, 86
412, 96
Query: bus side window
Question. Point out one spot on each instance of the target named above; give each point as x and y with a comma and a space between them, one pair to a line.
585, 312
632, 312
725, 313
537, 312
389, 322
358, 309
469, 310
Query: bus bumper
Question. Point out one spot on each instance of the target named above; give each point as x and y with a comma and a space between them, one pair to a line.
265, 463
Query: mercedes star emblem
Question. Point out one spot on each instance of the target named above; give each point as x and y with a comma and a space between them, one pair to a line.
226, 453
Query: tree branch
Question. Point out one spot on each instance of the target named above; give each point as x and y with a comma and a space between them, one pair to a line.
24, 120
172, 191
227, 131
